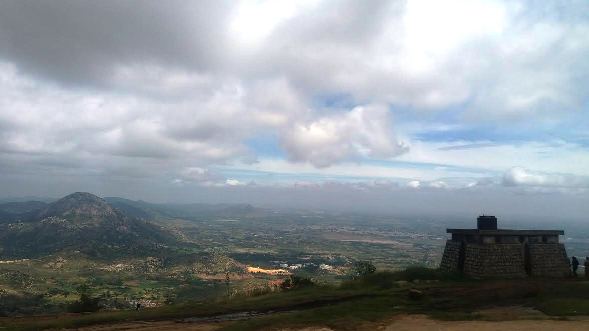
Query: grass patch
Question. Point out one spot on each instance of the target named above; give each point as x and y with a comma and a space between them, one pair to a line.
422, 273
389, 279
564, 306
366, 300
289, 300
345, 315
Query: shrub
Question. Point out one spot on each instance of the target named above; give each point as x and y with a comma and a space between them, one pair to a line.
387, 279
293, 282
423, 273
383, 279
85, 304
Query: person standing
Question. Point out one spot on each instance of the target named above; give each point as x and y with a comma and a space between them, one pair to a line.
586, 266
575, 265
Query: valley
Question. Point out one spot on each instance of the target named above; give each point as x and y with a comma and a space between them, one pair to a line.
203, 253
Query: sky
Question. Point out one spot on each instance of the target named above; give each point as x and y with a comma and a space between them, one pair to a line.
401, 106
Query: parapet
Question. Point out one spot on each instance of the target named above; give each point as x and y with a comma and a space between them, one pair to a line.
488, 233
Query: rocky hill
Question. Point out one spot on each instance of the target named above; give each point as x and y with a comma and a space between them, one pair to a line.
82, 222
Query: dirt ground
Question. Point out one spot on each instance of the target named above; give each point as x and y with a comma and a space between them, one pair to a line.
155, 326
422, 323
505, 318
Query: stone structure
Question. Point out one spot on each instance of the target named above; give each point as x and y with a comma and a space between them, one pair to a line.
488, 252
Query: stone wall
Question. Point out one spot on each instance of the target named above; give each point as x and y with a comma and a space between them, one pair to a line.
494, 261
549, 260
502, 260
451, 256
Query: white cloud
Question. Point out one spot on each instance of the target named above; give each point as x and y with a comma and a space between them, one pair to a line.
363, 131
435, 184
68, 123
546, 156
438, 184
201, 175
254, 20
414, 184
433, 30
502, 58
518, 176
233, 182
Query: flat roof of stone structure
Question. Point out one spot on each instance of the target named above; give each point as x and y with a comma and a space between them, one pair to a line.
507, 232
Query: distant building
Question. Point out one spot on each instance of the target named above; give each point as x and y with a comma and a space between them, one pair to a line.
488, 252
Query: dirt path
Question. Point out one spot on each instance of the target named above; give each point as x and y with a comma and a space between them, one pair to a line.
154, 326
423, 323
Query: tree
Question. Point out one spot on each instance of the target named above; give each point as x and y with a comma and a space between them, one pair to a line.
362, 268
228, 282
86, 302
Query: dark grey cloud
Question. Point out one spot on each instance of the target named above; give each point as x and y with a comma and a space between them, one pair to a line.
373, 51
83, 42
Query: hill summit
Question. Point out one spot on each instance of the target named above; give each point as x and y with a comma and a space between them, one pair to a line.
82, 222
80, 207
